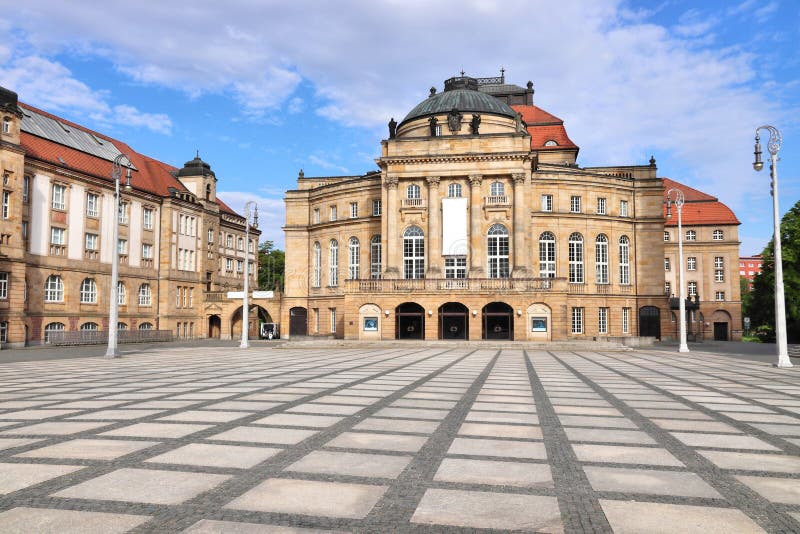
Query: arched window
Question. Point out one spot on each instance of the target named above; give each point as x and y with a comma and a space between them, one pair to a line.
145, 295
550, 142
375, 251
497, 247
54, 289
576, 258
317, 273
354, 266
601, 259
412, 191
691, 235
88, 291
89, 326
208, 197
413, 253
547, 255
122, 326
145, 326
50, 328
454, 190
497, 189
240, 243
333, 263
122, 293
624, 260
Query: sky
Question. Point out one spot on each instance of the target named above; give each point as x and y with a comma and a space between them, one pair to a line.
264, 88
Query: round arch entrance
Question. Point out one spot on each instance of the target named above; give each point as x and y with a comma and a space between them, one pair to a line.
215, 327
453, 321
722, 322
256, 316
410, 322
498, 321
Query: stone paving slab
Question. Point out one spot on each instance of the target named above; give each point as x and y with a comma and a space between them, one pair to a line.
399, 439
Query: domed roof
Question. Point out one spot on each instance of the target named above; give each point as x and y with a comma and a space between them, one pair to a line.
461, 93
196, 167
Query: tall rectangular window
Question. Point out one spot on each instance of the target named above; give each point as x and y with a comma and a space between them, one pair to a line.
623, 208
6, 204
316, 279
57, 236
333, 264
315, 311
626, 320
377, 207
667, 265
122, 246
375, 251
624, 261
147, 220
315, 217
333, 214
601, 206
123, 213
26, 187
692, 289
333, 320
667, 288
602, 320
3, 285
92, 205
91, 241
354, 210
59, 201
719, 269
147, 251
547, 202
575, 204
691, 263
577, 320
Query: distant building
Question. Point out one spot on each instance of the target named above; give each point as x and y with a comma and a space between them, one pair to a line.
749, 267
180, 246
479, 224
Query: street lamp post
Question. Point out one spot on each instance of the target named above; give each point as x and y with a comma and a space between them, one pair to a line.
774, 145
679, 199
246, 297
113, 304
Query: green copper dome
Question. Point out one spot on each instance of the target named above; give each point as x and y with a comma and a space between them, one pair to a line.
461, 93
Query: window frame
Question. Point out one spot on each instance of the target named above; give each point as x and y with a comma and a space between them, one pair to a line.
92, 205
547, 255
54, 288
88, 292
498, 251
601, 260
576, 259
413, 253
58, 201
575, 204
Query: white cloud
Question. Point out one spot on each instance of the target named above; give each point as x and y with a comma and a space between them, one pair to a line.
270, 213
325, 162
158, 122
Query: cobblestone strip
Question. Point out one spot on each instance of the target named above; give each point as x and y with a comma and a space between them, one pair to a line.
403, 496
39, 493
762, 511
743, 426
748, 368
209, 505
579, 505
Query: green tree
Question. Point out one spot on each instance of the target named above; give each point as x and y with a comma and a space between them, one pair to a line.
271, 266
761, 301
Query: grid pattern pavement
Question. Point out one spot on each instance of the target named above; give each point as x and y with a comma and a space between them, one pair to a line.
400, 439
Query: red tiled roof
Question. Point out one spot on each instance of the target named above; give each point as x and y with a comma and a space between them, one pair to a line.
151, 175
543, 127
700, 208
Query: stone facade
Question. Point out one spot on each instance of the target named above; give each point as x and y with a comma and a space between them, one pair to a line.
482, 229
180, 247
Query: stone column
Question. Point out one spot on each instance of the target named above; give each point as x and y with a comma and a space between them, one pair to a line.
392, 245
476, 258
521, 260
434, 229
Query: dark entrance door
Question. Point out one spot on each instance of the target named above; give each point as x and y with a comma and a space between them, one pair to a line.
498, 321
410, 322
649, 322
720, 331
214, 326
298, 322
453, 323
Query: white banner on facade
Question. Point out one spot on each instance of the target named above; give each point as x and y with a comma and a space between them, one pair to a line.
454, 227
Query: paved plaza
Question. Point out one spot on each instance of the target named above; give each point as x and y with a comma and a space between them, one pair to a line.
415, 438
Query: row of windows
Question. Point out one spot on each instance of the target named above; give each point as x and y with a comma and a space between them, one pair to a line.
497, 257
229, 240
691, 265
187, 225
333, 214
691, 235
577, 317
58, 201
54, 291
184, 297
691, 290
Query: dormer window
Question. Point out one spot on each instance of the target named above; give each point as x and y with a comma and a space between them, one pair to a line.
550, 142
6, 125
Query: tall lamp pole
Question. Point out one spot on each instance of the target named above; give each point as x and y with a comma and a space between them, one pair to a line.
246, 297
679, 199
113, 304
774, 145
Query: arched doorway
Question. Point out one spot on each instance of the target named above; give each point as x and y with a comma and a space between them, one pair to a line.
256, 316
214, 327
722, 322
453, 321
410, 321
498, 321
298, 321
650, 322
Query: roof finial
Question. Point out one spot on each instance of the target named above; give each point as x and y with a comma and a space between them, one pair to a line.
502, 74
462, 72
197, 154
652, 161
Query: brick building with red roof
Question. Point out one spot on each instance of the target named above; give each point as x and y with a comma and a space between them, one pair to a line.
180, 246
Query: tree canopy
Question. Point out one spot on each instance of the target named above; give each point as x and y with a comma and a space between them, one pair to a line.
271, 266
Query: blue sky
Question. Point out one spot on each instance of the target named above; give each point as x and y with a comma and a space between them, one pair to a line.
263, 89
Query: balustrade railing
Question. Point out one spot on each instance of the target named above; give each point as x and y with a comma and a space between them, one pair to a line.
494, 285
412, 203
97, 337
496, 200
